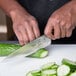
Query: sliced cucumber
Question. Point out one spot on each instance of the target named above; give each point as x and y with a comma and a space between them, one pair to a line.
40, 53
6, 49
51, 65
29, 74
49, 72
73, 74
69, 63
63, 70
54, 66
52, 69
34, 73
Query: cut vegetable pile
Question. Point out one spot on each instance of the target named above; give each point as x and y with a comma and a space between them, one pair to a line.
67, 68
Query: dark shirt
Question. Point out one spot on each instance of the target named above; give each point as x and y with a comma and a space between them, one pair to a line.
42, 10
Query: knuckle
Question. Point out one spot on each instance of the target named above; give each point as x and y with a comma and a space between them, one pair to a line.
62, 23
21, 42
17, 27
55, 21
31, 39
68, 26
26, 41
55, 15
33, 21
33, 18
46, 33
26, 23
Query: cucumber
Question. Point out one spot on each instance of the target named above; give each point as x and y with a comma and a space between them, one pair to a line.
73, 74
34, 73
70, 63
54, 66
6, 49
51, 65
39, 54
29, 74
63, 70
49, 72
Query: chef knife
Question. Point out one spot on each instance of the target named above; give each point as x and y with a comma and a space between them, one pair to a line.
31, 47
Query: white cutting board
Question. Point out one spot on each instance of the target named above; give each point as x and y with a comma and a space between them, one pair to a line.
20, 66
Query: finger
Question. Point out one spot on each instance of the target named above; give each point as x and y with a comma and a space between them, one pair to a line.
19, 36
68, 30
63, 32
68, 33
35, 28
48, 31
24, 35
56, 31
30, 32
62, 29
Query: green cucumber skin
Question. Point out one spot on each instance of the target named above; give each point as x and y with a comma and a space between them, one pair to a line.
52, 72
51, 65
34, 73
6, 49
38, 53
67, 62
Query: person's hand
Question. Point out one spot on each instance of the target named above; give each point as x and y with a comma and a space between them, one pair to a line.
25, 26
60, 23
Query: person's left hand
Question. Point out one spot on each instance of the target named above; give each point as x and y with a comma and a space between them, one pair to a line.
60, 23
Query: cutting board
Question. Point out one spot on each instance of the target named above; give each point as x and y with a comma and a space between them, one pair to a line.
20, 66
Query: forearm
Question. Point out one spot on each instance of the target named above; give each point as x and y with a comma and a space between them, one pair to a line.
10, 6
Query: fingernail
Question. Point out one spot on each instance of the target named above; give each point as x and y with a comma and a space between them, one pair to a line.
21, 43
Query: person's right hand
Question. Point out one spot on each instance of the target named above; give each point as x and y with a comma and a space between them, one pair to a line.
25, 26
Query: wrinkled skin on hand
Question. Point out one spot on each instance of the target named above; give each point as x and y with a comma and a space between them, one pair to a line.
61, 22
25, 26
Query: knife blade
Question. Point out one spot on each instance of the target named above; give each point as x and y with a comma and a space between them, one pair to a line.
31, 47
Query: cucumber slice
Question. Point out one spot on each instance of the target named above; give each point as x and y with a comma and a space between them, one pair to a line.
54, 66
63, 70
29, 74
70, 63
34, 73
48, 73
39, 54
51, 65
73, 74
